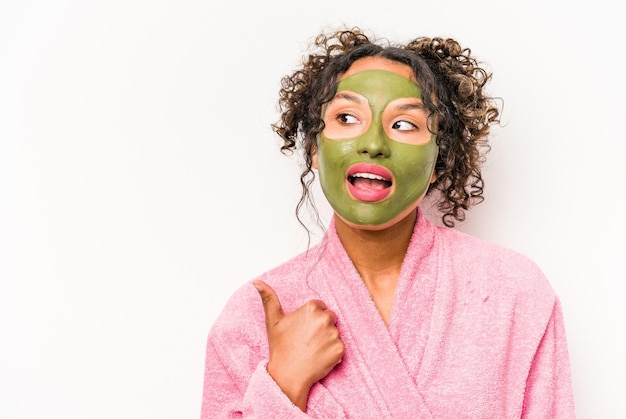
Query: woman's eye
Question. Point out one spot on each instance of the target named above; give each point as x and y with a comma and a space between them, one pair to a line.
347, 119
403, 126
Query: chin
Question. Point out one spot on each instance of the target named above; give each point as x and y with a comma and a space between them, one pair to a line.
398, 219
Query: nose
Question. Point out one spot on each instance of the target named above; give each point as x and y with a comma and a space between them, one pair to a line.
374, 143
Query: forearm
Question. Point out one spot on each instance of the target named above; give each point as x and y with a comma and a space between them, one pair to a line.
226, 397
294, 388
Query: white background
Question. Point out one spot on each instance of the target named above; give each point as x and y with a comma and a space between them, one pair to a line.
140, 182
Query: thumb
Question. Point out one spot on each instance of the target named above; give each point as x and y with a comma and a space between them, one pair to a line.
271, 304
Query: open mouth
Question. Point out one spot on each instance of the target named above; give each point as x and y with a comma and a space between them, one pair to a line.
369, 182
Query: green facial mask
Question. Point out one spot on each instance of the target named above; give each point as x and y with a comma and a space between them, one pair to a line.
409, 166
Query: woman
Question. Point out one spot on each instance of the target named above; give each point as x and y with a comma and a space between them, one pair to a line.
390, 315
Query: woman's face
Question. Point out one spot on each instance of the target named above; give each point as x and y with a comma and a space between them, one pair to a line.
376, 155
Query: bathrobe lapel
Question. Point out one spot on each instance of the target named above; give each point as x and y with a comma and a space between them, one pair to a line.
370, 345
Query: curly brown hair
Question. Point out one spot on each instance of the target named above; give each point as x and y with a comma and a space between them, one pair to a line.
452, 84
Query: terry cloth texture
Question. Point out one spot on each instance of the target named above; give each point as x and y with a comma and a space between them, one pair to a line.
476, 331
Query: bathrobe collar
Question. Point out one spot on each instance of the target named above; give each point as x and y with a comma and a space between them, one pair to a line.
369, 342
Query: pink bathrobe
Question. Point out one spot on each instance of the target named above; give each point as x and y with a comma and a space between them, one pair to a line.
475, 331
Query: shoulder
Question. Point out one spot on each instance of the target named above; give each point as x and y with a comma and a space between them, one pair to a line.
493, 267
240, 327
242, 318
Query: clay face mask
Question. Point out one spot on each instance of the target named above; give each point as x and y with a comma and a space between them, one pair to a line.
375, 155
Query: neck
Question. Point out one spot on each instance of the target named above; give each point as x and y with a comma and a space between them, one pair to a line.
377, 254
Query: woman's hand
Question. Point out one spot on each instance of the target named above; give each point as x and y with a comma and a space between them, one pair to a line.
304, 345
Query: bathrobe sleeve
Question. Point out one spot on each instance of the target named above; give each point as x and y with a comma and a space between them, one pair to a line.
225, 398
549, 392
236, 382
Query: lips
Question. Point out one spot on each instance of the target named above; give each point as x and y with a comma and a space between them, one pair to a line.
369, 182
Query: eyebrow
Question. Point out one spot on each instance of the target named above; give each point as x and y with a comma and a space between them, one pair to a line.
410, 106
350, 97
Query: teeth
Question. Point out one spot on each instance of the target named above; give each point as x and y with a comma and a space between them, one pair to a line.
369, 176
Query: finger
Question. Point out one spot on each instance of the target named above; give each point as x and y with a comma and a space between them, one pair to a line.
318, 304
271, 304
332, 315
